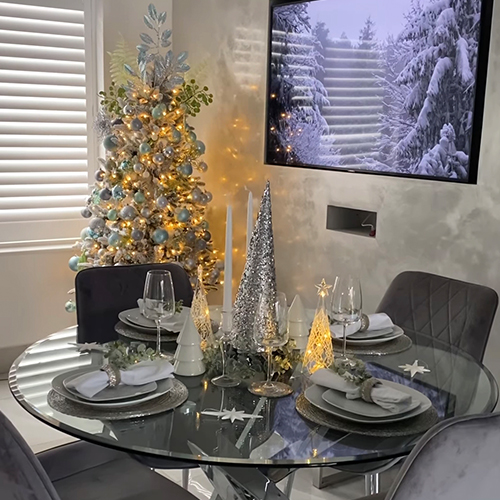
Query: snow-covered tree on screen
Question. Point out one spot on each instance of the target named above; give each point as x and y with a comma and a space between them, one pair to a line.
430, 94
296, 91
367, 35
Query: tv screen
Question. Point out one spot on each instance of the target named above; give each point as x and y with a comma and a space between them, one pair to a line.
392, 87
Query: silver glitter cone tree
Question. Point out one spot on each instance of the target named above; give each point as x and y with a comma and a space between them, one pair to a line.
259, 278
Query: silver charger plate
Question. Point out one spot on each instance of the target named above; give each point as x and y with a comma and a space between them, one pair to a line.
143, 329
118, 393
371, 410
400, 344
132, 333
396, 332
163, 386
174, 324
417, 425
371, 334
314, 395
172, 399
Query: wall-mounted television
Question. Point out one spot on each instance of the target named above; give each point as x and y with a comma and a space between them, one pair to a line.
392, 87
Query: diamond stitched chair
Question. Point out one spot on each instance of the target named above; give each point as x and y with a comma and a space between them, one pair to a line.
103, 292
77, 471
455, 460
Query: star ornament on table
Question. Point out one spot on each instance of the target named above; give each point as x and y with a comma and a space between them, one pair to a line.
323, 288
88, 347
414, 368
232, 415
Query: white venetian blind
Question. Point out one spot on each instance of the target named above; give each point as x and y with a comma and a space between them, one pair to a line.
43, 121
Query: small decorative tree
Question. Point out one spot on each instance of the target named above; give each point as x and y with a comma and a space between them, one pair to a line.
319, 351
200, 311
188, 355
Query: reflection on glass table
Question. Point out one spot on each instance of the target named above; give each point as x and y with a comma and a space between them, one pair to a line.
457, 385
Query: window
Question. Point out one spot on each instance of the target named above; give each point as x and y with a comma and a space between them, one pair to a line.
45, 119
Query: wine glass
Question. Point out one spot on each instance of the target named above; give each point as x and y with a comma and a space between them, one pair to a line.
270, 332
159, 302
346, 305
227, 334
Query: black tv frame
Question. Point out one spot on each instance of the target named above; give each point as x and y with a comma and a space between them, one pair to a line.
477, 125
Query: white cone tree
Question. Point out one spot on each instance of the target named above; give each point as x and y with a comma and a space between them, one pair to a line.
188, 358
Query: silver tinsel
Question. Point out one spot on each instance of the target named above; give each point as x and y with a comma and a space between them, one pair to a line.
259, 279
102, 125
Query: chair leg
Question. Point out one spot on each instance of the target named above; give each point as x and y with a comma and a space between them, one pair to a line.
289, 485
372, 484
185, 478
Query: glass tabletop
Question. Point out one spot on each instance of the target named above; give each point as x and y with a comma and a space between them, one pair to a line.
456, 384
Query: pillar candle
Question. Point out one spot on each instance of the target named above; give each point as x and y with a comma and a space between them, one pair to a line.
227, 305
249, 218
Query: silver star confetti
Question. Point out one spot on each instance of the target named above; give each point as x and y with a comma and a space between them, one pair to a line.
231, 415
94, 346
414, 368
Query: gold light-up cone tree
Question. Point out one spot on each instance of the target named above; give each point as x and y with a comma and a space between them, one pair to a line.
148, 204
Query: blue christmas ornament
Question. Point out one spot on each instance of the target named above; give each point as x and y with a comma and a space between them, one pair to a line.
190, 238
209, 196
73, 263
158, 111
114, 239
128, 213
144, 148
125, 166
118, 193
162, 202
175, 135
136, 124
137, 234
105, 194
191, 137
111, 142
139, 197
86, 213
200, 245
160, 236
200, 147
70, 306
183, 215
206, 235
196, 195
186, 169
85, 233
112, 214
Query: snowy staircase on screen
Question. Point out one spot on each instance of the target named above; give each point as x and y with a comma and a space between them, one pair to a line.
355, 103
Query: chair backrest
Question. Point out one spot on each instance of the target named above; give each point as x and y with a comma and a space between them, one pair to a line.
21, 474
103, 292
456, 460
451, 311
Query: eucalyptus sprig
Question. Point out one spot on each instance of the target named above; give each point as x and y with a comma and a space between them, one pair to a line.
110, 100
352, 370
192, 96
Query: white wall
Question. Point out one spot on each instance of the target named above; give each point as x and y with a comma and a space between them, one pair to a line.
448, 229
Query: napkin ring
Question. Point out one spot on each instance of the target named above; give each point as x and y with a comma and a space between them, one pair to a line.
366, 389
113, 374
365, 323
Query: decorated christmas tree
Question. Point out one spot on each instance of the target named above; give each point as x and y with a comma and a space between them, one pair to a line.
148, 203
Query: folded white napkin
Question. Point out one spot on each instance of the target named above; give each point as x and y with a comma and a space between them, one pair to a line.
378, 321
89, 384
386, 397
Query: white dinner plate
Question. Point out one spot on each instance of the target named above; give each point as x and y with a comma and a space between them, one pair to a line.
397, 332
173, 324
360, 407
314, 395
371, 334
110, 394
57, 384
145, 329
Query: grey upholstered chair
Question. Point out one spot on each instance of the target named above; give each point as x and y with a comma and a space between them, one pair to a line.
103, 292
77, 471
454, 312
456, 460
438, 310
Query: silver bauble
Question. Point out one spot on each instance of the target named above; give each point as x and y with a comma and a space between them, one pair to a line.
162, 202
138, 167
158, 158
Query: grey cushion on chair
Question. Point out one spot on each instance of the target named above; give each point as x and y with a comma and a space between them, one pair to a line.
77, 471
103, 292
21, 475
451, 311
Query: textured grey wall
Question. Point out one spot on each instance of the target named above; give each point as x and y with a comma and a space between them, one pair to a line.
448, 229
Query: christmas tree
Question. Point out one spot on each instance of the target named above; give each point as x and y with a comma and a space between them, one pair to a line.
148, 204
367, 35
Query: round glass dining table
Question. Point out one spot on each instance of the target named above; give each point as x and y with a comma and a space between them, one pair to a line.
456, 384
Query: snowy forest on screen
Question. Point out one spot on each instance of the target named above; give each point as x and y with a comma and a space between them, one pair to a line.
399, 102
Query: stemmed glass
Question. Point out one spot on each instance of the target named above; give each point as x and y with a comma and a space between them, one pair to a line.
159, 302
346, 305
270, 332
226, 328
